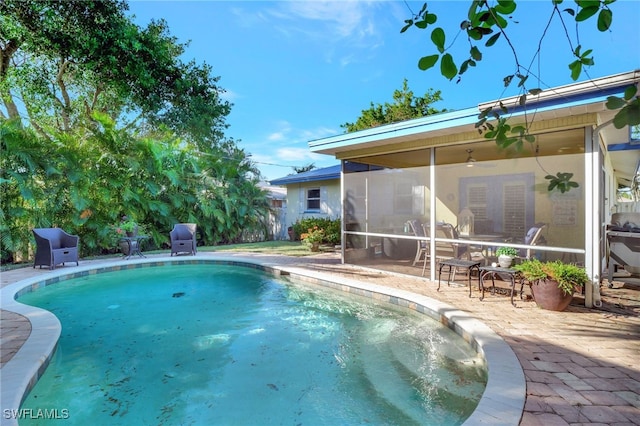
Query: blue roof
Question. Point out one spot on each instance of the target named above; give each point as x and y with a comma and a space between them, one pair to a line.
326, 173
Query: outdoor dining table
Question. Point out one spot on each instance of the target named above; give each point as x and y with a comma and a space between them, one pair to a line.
133, 245
488, 250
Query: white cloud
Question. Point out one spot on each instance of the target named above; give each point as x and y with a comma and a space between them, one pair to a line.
284, 128
288, 134
318, 133
276, 136
344, 19
229, 95
297, 154
340, 27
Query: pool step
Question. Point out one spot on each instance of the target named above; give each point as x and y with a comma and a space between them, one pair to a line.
408, 380
462, 383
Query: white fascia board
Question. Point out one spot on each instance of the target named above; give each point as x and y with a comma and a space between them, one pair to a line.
612, 83
553, 99
397, 130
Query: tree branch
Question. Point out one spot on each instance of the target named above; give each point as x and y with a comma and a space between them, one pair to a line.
66, 106
5, 57
10, 105
33, 122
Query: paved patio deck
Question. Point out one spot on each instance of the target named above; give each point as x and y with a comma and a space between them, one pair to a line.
582, 366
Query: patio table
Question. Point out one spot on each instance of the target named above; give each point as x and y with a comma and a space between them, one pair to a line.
133, 245
469, 265
511, 274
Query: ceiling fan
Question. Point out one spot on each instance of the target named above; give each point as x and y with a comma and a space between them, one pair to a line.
470, 160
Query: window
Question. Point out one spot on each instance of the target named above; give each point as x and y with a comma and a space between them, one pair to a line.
313, 199
404, 198
500, 203
409, 198
477, 201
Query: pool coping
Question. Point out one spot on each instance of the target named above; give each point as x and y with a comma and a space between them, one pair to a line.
502, 402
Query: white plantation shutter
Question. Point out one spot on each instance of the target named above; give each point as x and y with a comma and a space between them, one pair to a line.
324, 199
418, 200
302, 200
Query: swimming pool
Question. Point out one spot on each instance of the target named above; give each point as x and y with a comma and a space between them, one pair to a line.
203, 344
502, 401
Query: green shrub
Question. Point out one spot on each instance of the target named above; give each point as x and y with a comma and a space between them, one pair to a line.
330, 228
507, 251
568, 276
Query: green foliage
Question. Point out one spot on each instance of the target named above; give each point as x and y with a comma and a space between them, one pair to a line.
80, 57
405, 106
303, 169
568, 276
562, 181
313, 236
629, 106
507, 251
331, 229
583, 60
487, 22
82, 70
86, 187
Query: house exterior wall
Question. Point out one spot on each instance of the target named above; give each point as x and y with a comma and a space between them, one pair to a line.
330, 200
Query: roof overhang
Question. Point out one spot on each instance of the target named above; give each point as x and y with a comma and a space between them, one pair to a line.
326, 173
572, 100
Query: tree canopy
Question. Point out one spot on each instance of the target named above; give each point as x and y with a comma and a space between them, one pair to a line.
66, 60
405, 106
486, 24
305, 168
101, 118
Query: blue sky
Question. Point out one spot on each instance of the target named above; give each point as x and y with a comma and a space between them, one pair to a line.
296, 71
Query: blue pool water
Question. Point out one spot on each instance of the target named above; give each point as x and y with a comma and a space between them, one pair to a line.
229, 345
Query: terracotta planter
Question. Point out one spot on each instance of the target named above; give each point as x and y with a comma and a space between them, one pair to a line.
315, 246
548, 296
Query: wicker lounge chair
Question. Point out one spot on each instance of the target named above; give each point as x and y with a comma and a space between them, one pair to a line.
183, 238
54, 246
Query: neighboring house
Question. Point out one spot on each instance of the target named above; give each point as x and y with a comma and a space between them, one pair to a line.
434, 168
278, 215
315, 193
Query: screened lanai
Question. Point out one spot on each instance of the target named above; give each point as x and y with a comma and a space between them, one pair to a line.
490, 197
431, 188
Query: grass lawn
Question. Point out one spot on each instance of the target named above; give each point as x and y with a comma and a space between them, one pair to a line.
287, 248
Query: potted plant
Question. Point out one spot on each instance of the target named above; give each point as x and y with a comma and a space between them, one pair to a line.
552, 283
506, 255
127, 226
313, 237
